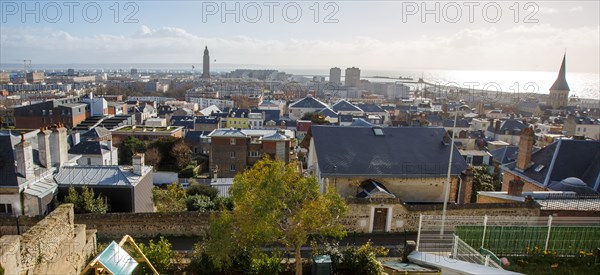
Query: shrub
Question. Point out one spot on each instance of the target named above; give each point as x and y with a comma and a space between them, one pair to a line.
223, 203
199, 189
187, 172
159, 254
265, 264
200, 203
363, 260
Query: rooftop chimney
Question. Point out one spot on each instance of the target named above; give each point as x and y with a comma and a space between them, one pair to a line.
138, 164
525, 146
25, 158
44, 147
58, 145
515, 187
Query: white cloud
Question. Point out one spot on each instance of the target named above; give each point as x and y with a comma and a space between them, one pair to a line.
548, 10
576, 9
519, 48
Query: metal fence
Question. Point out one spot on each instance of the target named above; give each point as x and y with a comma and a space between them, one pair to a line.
511, 235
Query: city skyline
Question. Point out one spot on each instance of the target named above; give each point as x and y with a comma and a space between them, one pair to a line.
391, 35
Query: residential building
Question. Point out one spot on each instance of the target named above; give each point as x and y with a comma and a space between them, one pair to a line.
352, 77
234, 150
409, 163
570, 162
335, 75
34, 77
343, 107
95, 152
309, 104
68, 111
127, 188
582, 126
145, 133
508, 130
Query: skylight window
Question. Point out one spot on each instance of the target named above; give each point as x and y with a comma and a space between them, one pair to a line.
539, 168
378, 131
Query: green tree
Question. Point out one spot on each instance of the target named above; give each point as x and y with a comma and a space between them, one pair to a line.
199, 189
128, 147
86, 201
274, 203
171, 199
159, 254
315, 118
482, 181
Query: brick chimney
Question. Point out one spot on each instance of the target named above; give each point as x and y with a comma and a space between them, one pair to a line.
466, 189
58, 145
138, 164
525, 146
44, 147
515, 187
24, 158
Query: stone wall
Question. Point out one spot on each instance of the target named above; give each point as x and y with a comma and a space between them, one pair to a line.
55, 245
116, 225
406, 217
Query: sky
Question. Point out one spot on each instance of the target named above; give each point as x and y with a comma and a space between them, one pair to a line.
492, 35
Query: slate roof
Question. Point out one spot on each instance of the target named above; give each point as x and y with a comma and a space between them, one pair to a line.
224, 132
328, 112
506, 154
371, 108
8, 175
308, 102
96, 132
345, 106
206, 120
359, 122
89, 148
399, 152
460, 123
563, 159
195, 136
512, 125
561, 81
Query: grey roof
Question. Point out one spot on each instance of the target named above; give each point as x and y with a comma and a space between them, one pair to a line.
371, 108
328, 112
561, 81
96, 132
572, 184
563, 159
89, 148
346, 118
195, 136
508, 153
276, 136
346, 106
359, 122
512, 125
96, 175
224, 132
308, 102
8, 175
399, 152
460, 123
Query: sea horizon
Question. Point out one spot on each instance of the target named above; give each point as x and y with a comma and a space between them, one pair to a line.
582, 84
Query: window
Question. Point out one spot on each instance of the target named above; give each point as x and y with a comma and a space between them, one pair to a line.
5, 208
89, 161
232, 167
232, 141
254, 154
232, 155
584, 129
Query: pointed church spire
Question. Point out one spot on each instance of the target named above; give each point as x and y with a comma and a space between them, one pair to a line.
561, 81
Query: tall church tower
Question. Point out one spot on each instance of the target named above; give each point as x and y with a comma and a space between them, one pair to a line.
206, 64
559, 92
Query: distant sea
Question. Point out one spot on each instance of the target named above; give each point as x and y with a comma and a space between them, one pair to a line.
582, 85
